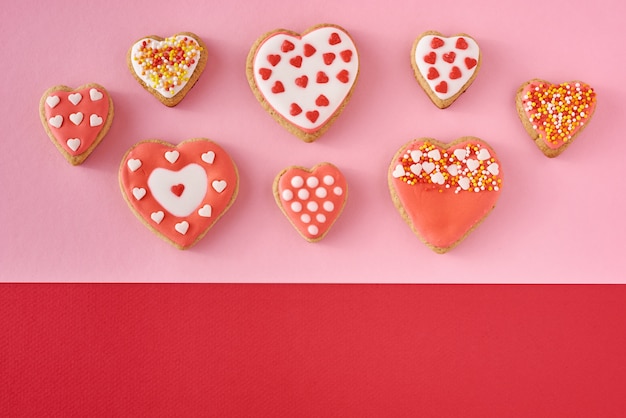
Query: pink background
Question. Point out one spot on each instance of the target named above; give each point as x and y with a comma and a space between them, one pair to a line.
557, 220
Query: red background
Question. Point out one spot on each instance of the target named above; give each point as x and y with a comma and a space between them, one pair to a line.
312, 350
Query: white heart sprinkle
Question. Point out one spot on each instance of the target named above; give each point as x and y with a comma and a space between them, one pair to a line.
416, 155
172, 156
134, 164
75, 98
464, 183
428, 167
76, 118
494, 169
434, 154
52, 101
73, 143
453, 169
95, 120
139, 192
208, 157
56, 121
472, 164
398, 172
460, 153
95, 95
157, 216
205, 211
219, 185
437, 178
416, 168
182, 227
483, 154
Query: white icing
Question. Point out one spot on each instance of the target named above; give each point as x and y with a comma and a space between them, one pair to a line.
312, 182
75, 98
312, 206
287, 195
305, 218
444, 68
320, 217
459, 153
296, 207
297, 182
303, 194
328, 206
329, 180
416, 155
483, 154
95, 120
134, 164
321, 192
182, 227
464, 182
76, 118
398, 171
157, 216
416, 168
494, 168
139, 192
52, 101
338, 191
205, 211
56, 121
437, 178
434, 154
73, 143
313, 230
334, 90
472, 164
219, 185
428, 167
172, 156
192, 177
208, 157
95, 95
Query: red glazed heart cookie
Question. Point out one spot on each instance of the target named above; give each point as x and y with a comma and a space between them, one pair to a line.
443, 191
180, 191
445, 66
312, 199
304, 81
168, 68
76, 120
554, 115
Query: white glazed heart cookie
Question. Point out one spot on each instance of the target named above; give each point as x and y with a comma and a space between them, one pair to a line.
304, 80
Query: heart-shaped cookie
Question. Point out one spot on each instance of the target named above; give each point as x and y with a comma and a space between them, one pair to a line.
445, 66
76, 120
168, 68
312, 199
178, 191
553, 115
443, 191
304, 80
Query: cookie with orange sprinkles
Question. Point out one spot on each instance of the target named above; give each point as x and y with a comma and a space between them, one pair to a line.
555, 114
168, 67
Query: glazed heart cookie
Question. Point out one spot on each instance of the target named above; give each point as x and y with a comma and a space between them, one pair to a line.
304, 80
178, 191
76, 120
168, 68
444, 191
553, 115
312, 199
445, 66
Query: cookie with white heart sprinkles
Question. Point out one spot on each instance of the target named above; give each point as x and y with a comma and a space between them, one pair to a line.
312, 199
554, 115
304, 80
444, 191
76, 120
445, 66
178, 191
168, 68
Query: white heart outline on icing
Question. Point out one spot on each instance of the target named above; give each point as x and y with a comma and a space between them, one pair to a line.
194, 179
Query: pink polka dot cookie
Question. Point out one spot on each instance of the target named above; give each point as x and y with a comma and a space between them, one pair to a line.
168, 68
445, 66
76, 120
178, 191
554, 114
312, 199
444, 191
304, 80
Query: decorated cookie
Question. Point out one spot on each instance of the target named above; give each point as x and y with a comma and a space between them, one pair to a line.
312, 199
443, 191
168, 68
76, 120
554, 115
304, 80
178, 191
445, 66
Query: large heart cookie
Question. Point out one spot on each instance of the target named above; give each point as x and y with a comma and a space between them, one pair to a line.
76, 120
553, 115
168, 68
443, 191
180, 191
312, 199
445, 66
304, 81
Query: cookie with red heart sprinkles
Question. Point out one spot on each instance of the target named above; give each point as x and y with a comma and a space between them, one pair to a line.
304, 80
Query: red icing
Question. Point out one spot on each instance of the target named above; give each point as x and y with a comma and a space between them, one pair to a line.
296, 61
312, 115
273, 59
470, 63
432, 73
278, 87
430, 58
442, 87
346, 55
309, 50
322, 77
455, 73
334, 39
449, 57
322, 100
436, 43
178, 189
343, 76
329, 57
287, 46
461, 43
295, 110
265, 73
302, 81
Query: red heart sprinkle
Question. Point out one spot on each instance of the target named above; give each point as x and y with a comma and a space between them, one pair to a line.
287, 46
273, 59
449, 57
313, 115
461, 44
309, 50
295, 110
302, 81
470, 63
329, 57
334, 39
296, 61
436, 43
178, 189
322, 100
346, 55
265, 73
343, 76
322, 77
430, 58
278, 87
455, 73
432, 73
442, 87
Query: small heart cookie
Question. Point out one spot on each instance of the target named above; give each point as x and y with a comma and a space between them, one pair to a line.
76, 120
304, 80
445, 66
178, 191
444, 191
168, 68
553, 115
312, 199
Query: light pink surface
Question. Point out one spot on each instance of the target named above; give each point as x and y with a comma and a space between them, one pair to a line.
559, 220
